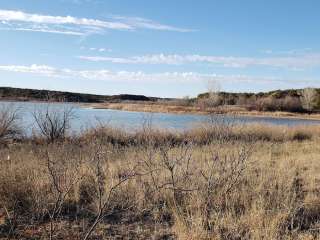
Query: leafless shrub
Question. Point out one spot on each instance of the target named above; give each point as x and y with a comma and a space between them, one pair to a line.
177, 165
105, 184
150, 136
221, 173
52, 122
9, 123
222, 127
63, 169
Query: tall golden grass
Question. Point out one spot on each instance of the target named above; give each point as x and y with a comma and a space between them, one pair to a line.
210, 182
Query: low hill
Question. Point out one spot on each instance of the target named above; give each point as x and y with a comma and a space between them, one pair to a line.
20, 94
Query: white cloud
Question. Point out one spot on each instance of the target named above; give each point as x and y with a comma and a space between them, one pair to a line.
96, 49
298, 51
291, 62
34, 68
126, 76
99, 49
45, 30
137, 22
9, 16
22, 21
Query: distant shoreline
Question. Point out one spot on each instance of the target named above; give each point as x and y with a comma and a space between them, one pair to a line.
229, 110
171, 109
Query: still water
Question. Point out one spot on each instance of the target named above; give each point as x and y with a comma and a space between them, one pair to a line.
87, 117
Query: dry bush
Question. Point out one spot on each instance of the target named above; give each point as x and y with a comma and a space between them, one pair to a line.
63, 168
9, 123
107, 135
52, 122
104, 182
188, 184
221, 174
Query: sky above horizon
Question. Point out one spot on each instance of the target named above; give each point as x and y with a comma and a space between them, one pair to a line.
167, 48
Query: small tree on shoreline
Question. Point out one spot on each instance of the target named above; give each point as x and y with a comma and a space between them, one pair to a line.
214, 89
309, 98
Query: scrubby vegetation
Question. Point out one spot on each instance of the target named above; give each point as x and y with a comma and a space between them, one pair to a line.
218, 181
294, 100
296, 103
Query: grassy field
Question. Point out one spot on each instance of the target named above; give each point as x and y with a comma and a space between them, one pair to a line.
218, 181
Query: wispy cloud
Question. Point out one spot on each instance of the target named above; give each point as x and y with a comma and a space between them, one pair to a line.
127, 76
290, 62
96, 49
100, 49
22, 21
297, 51
44, 30
137, 22
34, 68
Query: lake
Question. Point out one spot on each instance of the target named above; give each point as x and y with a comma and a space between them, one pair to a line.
87, 117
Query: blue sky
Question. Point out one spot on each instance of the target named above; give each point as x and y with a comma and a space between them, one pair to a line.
168, 48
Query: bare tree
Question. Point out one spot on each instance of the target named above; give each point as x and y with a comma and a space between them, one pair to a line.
53, 122
213, 87
9, 127
309, 98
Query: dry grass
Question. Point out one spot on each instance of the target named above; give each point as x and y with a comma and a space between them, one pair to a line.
212, 182
158, 107
204, 134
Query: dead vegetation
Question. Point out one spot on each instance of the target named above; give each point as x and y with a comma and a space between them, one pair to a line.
9, 124
218, 181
